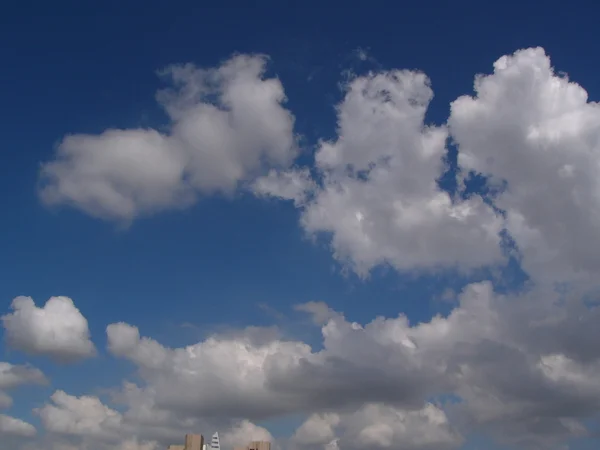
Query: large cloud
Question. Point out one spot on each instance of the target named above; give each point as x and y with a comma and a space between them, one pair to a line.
236, 376
226, 122
379, 197
91, 424
536, 131
522, 363
219, 377
58, 329
521, 367
85, 416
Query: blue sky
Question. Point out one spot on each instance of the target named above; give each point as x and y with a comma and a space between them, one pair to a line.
227, 262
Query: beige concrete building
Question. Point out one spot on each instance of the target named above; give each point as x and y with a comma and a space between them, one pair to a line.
259, 445
256, 445
192, 442
196, 442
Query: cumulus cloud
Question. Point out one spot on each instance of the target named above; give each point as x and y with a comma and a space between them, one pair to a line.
12, 376
319, 311
58, 329
227, 123
318, 430
378, 196
17, 427
379, 426
373, 188
92, 424
535, 132
521, 367
230, 371
523, 363
84, 416
532, 133
243, 433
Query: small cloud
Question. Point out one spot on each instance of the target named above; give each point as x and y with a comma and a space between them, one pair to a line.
319, 311
57, 329
16, 427
270, 311
448, 296
361, 54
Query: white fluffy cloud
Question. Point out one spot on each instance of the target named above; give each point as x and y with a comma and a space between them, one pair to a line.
92, 424
17, 427
12, 376
226, 123
82, 416
521, 367
58, 329
521, 363
379, 197
379, 426
244, 432
375, 192
317, 430
211, 378
319, 311
535, 131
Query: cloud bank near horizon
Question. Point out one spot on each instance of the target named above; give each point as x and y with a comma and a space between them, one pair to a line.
519, 367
